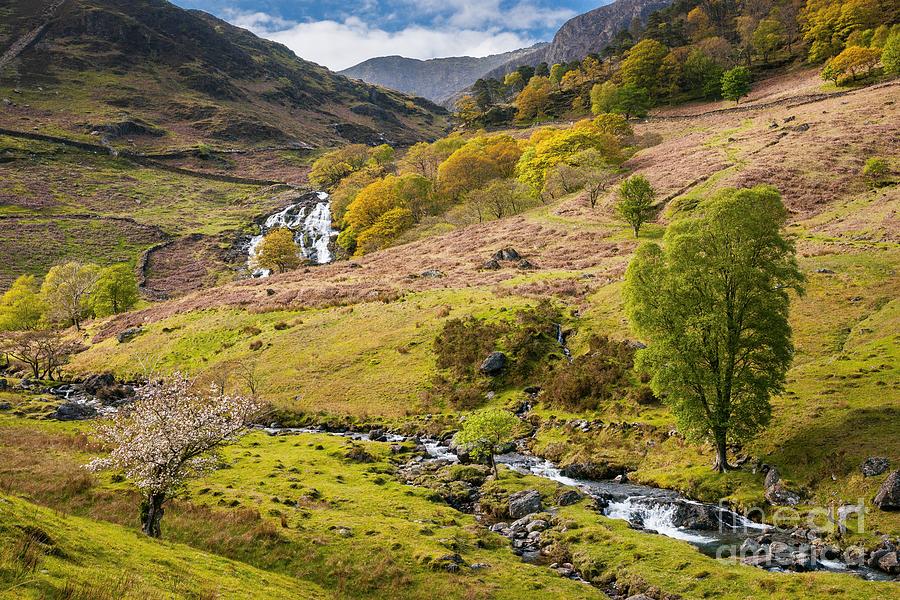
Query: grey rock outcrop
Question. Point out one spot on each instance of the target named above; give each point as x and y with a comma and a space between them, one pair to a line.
524, 503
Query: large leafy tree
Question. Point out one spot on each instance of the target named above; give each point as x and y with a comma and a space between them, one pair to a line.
642, 64
21, 306
278, 251
67, 291
736, 83
713, 305
116, 290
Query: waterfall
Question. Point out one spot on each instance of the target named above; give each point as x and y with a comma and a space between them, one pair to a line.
310, 221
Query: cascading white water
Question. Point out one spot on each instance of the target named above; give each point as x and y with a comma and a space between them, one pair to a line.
310, 221
654, 516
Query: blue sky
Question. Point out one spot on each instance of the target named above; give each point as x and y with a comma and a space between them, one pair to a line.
340, 34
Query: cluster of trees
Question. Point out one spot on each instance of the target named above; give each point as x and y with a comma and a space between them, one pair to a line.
695, 49
377, 197
32, 313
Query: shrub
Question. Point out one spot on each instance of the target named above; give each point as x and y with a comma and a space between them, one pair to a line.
876, 168
601, 375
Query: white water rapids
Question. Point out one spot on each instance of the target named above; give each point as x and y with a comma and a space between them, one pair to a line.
310, 221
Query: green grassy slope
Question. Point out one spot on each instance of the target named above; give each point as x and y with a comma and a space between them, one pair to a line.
44, 554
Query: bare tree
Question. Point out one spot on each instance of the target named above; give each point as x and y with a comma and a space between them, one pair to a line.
168, 436
43, 351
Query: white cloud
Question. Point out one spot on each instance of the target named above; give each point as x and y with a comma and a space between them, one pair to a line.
520, 16
339, 45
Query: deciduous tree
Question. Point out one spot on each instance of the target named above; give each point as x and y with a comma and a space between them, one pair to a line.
21, 307
485, 431
713, 305
736, 84
533, 101
168, 436
66, 292
116, 290
635, 203
278, 251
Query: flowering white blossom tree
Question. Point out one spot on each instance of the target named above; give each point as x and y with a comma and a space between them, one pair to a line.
169, 435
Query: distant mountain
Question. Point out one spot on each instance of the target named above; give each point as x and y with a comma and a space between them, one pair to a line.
164, 76
438, 79
585, 34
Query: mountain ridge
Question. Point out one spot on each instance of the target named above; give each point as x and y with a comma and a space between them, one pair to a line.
190, 76
437, 79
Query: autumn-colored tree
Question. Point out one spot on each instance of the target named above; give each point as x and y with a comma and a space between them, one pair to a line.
604, 97
699, 26
384, 230
533, 101
168, 436
347, 190
384, 209
514, 82
21, 307
850, 64
424, 158
467, 110
499, 198
66, 292
827, 24
557, 146
479, 161
278, 251
329, 169
116, 291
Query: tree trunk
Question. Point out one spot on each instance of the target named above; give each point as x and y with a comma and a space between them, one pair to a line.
721, 453
152, 514
494, 467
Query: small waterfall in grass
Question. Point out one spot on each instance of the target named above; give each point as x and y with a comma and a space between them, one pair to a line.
561, 340
310, 221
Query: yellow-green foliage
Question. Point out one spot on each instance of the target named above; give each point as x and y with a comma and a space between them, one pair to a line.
547, 148
479, 161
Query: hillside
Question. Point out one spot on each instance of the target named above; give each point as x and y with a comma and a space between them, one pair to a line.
438, 79
475, 395
146, 74
813, 154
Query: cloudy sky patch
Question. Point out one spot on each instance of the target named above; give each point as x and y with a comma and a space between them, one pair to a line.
340, 34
